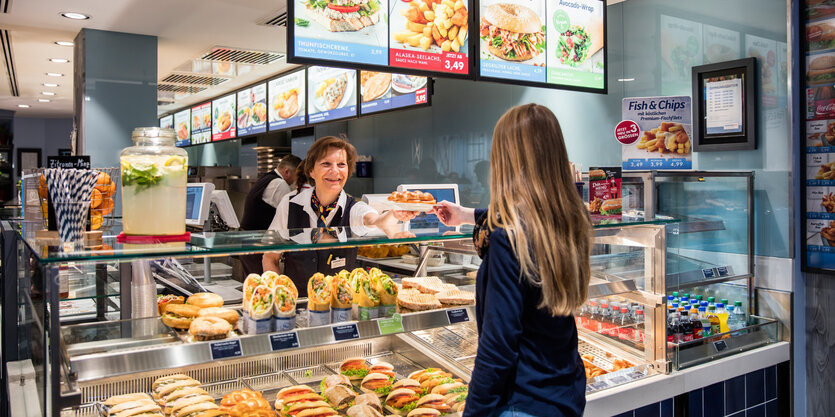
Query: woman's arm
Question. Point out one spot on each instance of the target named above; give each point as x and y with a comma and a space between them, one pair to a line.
494, 372
452, 214
270, 261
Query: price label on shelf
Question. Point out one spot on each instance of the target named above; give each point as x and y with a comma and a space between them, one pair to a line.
723, 271
345, 332
225, 349
708, 273
391, 325
457, 315
720, 346
281, 341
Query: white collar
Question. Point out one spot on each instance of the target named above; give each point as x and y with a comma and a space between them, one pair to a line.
304, 196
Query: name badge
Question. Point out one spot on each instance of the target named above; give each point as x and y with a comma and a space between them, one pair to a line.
338, 263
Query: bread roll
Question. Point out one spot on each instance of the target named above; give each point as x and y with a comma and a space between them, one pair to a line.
205, 300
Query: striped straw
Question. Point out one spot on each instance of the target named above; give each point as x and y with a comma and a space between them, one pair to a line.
69, 190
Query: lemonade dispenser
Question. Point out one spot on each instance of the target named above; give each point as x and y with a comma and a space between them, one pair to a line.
154, 184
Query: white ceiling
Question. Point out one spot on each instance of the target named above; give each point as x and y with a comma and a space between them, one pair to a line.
185, 29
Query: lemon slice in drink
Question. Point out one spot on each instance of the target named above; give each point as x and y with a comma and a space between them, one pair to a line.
175, 162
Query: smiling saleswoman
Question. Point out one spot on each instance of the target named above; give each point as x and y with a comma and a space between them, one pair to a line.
329, 163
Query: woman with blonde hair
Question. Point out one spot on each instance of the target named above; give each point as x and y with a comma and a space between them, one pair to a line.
535, 240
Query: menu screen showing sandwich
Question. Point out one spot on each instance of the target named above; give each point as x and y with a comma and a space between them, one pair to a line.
167, 122
425, 35
223, 118
182, 127
287, 99
555, 42
201, 123
331, 93
382, 91
252, 110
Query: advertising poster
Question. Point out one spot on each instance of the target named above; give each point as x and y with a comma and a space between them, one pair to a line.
347, 31
655, 133
252, 110
223, 118
383, 91
512, 39
765, 50
820, 34
720, 44
201, 123
287, 101
820, 242
182, 127
332, 93
441, 46
681, 49
575, 43
167, 122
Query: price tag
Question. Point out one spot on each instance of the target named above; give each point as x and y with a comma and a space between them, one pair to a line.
391, 325
281, 341
720, 345
457, 315
345, 332
723, 271
420, 96
708, 273
225, 349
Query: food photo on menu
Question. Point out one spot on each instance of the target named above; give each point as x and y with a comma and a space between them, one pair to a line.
423, 27
720, 44
223, 118
201, 123
681, 48
575, 44
342, 30
332, 93
820, 133
384, 91
375, 85
252, 110
820, 35
287, 101
512, 39
182, 127
765, 50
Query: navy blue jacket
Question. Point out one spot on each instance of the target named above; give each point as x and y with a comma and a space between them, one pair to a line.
526, 358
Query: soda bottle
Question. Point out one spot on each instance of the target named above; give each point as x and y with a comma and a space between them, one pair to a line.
638, 333
672, 328
724, 301
723, 317
705, 321
678, 337
605, 318
591, 319
675, 296
686, 327
698, 330
711, 301
625, 331
615, 320
714, 320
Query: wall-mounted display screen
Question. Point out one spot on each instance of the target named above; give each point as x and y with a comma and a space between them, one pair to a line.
552, 43
182, 127
223, 118
167, 122
201, 123
381, 91
287, 101
252, 110
332, 93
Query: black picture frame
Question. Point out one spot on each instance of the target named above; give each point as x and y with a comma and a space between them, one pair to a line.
746, 69
20, 152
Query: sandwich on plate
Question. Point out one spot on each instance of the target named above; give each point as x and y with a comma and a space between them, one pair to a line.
344, 15
512, 32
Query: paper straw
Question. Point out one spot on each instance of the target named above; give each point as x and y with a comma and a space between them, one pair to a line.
69, 190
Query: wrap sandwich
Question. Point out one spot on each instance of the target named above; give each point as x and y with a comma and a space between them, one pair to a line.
387, 289
284, 310
369, 298
341, 298
251, 281
258, 314
318, 300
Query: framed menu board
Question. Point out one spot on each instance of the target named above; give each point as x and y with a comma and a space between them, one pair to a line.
287, 100
182, 127
223, 118
543, 43
418, 36
167, 122
252, 110
201, 123
332, 94
382, 91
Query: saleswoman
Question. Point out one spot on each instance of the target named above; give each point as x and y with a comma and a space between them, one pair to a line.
326, 206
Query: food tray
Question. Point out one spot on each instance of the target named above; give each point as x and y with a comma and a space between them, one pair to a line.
311, 376
450, 344
268, 384
422, 207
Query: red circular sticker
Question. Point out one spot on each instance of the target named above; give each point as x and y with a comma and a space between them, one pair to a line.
627, 132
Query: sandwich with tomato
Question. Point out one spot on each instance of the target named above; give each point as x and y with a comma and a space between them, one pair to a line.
512, 32
344, 15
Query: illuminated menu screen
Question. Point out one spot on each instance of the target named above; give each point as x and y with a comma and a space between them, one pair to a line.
331, 93
167, 122
420, 34
381, 91
223, 118
287, 101
201, 123
252, 110
182, 127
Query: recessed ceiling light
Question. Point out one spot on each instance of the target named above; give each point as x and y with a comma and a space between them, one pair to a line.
44, 100
50, 85
54, 74
624, 80
48, 93
64, 43
75, 16
23, 106
59, 60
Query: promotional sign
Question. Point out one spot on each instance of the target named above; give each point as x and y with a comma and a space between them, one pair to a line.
252, 110
332, 93
765, 50
182, 127
681, 49
605, 193
440, 47
287, 99
223, 118
201, 123
665, 129
341, 31
720, 44
382, 91
167, 122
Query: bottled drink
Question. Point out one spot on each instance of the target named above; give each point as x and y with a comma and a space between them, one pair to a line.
580, 317
699, 298
705, 321
698, 330
685, 296
723, 317
670, 300
703, 304
686, 327
638, 333
724, 301
737, 320
614, 324
714, 320
591, 319
675, 296
672, 328
605, 319
711, 301
626, 329
678, 337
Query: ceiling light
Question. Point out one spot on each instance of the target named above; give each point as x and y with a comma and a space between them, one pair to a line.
64, 43
59, 60
48, 93
44, 100
54, 74
625, 79
23, 106
50, 85
75, 16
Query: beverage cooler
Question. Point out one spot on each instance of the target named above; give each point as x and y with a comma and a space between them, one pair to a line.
679, 232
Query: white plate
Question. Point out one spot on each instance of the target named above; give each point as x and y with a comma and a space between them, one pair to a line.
406, 90
349, 91
362, 93
409, 206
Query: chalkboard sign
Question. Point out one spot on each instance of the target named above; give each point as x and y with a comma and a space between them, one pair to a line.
78, 162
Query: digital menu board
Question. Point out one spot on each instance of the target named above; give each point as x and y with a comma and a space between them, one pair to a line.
201, 123
167, 122
381, 91
331, 93
223, 118
420, 35
544, 42
287, 99
252, 110
182, 127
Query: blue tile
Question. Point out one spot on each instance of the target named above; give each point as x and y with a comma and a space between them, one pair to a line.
647, 410
714, 400
758, 411
770, 383
626, 414
771, 409
754, 388
694, 403
667, 408
735, 394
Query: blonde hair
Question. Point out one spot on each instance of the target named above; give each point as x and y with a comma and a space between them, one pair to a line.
534, 198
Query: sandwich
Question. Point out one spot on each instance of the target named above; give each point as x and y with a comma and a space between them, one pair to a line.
205, 300
318, 293
369, 297
261, 303
417, 302
455, 400
369, 400
424, 374
344, 15
401, 401
167, 384
339, 397
379, 384
334, 380
118, 399
251, 281
163, 300
363, 411
384, 368
318, 412
209, 328
611, 207
144, 410
356, 278
822, 70
292, 391
456, 297
269, 278
447, 387
194, 410
597, 174
341, 294
169, 400
288, 400
175, 407
434, 380
820, 36
229, 315
179, 316
512, 32
287, 282
387, 290
409, 384
296, 408
434, 401
426, 285
424, 412
118, 408
285, 302
354, 368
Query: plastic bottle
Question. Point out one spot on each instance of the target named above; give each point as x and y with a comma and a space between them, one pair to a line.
714, 320
685, 296
723, 314
591, 319
672, 328
698, 330
725, 302
638, 333
626, 326
675, 296
698, 298
686, 327
705, 321
604, 320
678, 337
737, 320
711, 301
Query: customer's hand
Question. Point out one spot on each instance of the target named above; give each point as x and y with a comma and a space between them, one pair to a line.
405, 216
451, 214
